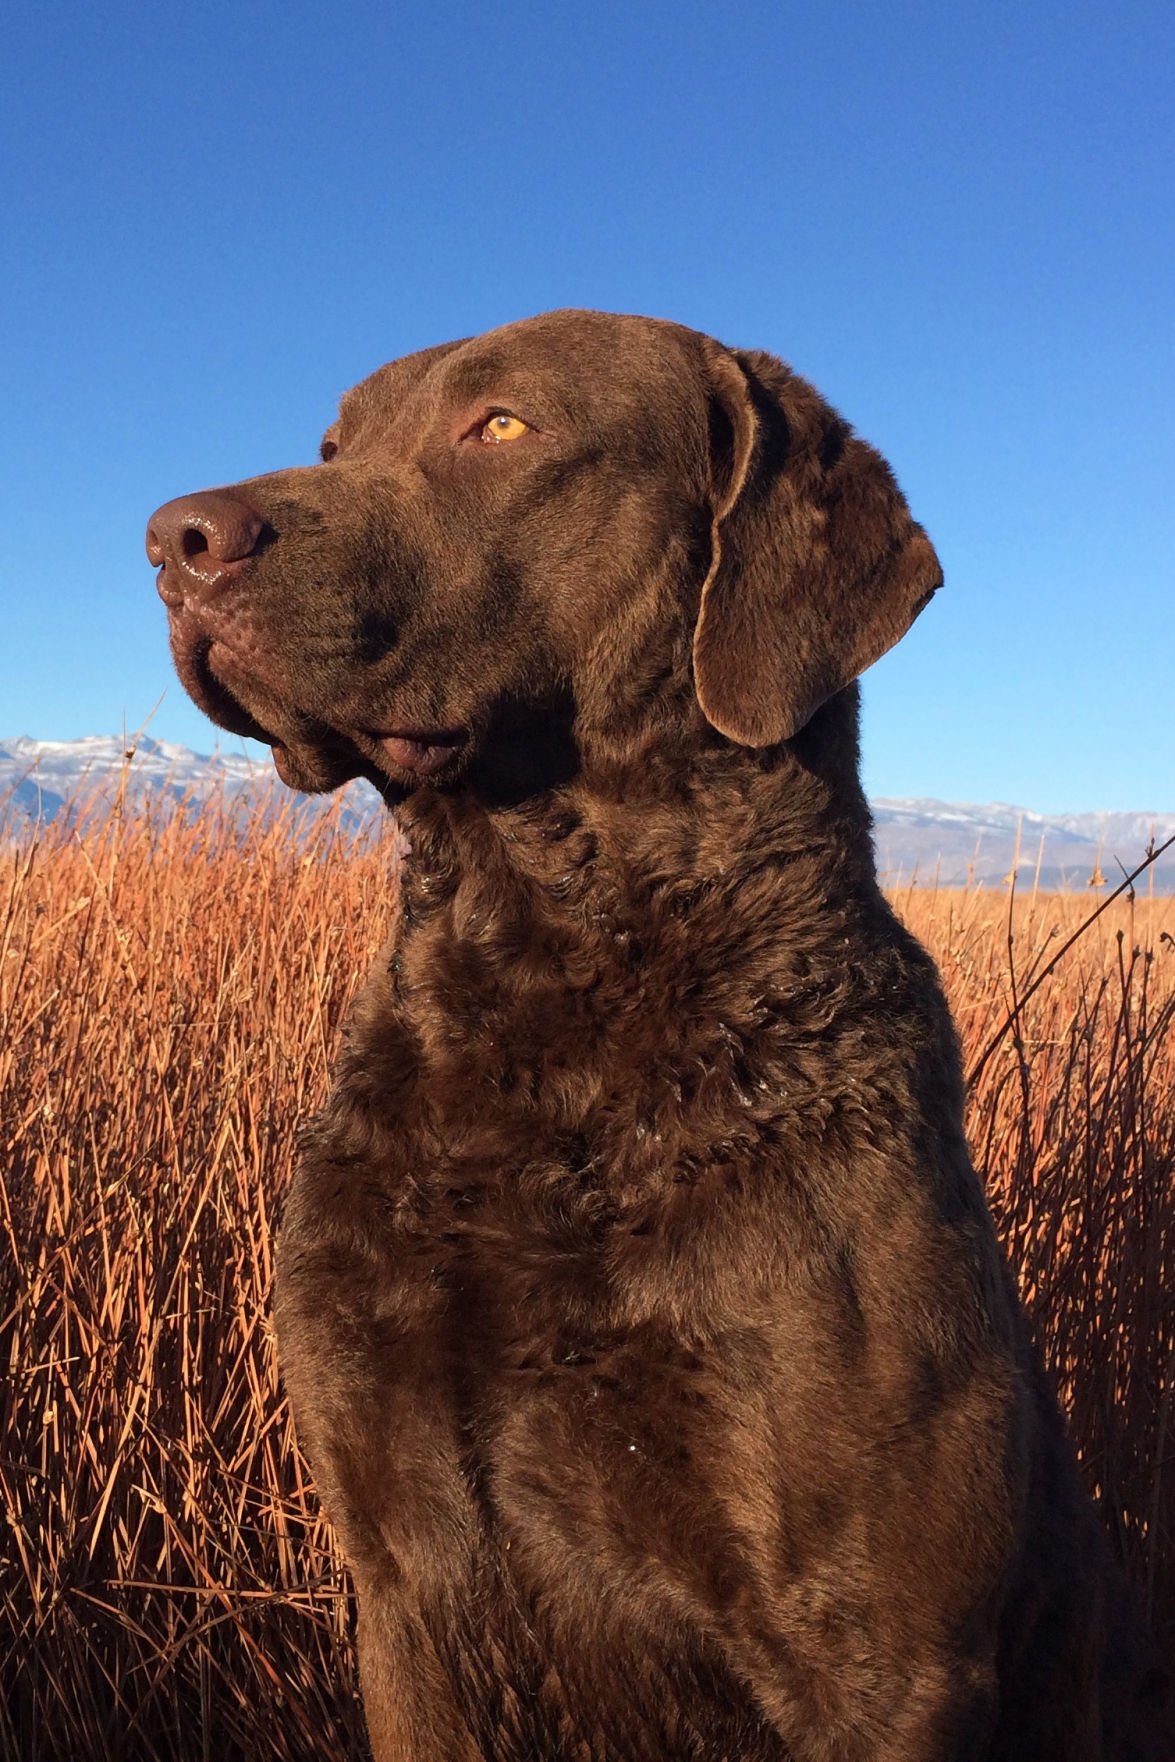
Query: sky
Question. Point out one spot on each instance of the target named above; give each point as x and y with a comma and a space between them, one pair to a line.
959, 222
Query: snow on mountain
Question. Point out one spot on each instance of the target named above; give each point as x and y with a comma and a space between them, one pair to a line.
38, 778
917, 840
931, 841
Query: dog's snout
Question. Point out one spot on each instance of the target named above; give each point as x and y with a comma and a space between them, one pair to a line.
201, 543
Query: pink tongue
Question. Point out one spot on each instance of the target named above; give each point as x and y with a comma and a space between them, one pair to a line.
415, 755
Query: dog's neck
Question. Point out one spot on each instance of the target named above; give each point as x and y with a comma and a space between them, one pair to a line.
625, 848
622, 932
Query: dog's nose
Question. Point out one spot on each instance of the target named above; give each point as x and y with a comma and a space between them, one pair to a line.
202, 543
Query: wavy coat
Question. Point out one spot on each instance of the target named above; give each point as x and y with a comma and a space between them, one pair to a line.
640, 1306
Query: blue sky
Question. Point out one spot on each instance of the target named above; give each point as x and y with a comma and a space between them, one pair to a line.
957, 221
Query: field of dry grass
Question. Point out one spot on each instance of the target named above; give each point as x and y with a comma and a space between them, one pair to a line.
170, 997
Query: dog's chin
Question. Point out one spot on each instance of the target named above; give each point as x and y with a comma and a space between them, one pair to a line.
315, 768
308, 755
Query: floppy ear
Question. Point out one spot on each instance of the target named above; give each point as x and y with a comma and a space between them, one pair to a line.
816, 567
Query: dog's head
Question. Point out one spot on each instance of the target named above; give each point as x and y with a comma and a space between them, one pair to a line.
579, 526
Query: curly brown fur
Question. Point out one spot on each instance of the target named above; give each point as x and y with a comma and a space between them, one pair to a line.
639, 1304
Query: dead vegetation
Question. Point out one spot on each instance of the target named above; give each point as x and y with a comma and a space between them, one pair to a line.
170, 996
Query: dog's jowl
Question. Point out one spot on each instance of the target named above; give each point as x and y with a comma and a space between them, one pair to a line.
640, 1307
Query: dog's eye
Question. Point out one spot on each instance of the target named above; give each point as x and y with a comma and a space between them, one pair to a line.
502, 426
327, 450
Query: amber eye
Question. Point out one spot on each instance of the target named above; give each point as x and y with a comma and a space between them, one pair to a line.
504, 427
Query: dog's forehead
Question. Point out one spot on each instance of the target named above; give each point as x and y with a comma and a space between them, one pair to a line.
389, 386
580, 362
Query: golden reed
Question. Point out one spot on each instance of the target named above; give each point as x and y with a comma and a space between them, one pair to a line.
170, 994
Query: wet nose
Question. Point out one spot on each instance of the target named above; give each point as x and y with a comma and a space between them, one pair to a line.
202, 543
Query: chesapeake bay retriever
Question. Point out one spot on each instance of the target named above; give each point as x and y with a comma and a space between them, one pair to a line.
639, 1305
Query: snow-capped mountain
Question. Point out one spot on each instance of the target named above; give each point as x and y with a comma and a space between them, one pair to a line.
929, 841
39, 778
923, 841
52, 771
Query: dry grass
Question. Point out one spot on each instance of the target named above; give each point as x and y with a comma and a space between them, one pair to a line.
170, 994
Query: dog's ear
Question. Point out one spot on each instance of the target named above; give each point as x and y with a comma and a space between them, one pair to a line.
816, 564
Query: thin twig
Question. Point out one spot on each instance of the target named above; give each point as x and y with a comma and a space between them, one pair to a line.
1152, 856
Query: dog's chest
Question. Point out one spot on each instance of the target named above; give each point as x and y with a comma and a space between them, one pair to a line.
540, 1481
522, 1215
521, 1311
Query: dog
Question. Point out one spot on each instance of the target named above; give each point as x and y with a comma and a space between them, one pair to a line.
640, 1308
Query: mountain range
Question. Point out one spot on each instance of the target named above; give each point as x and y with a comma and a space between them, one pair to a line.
922, 841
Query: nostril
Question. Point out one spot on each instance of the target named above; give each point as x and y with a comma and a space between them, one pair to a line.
205, 541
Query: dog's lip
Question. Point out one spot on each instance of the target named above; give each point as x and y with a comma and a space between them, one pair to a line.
420, 751
209, 662
192, 648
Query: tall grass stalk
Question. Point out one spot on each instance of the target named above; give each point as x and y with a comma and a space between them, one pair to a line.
170, 994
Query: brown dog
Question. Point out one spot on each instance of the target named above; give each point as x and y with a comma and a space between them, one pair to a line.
639, 1304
